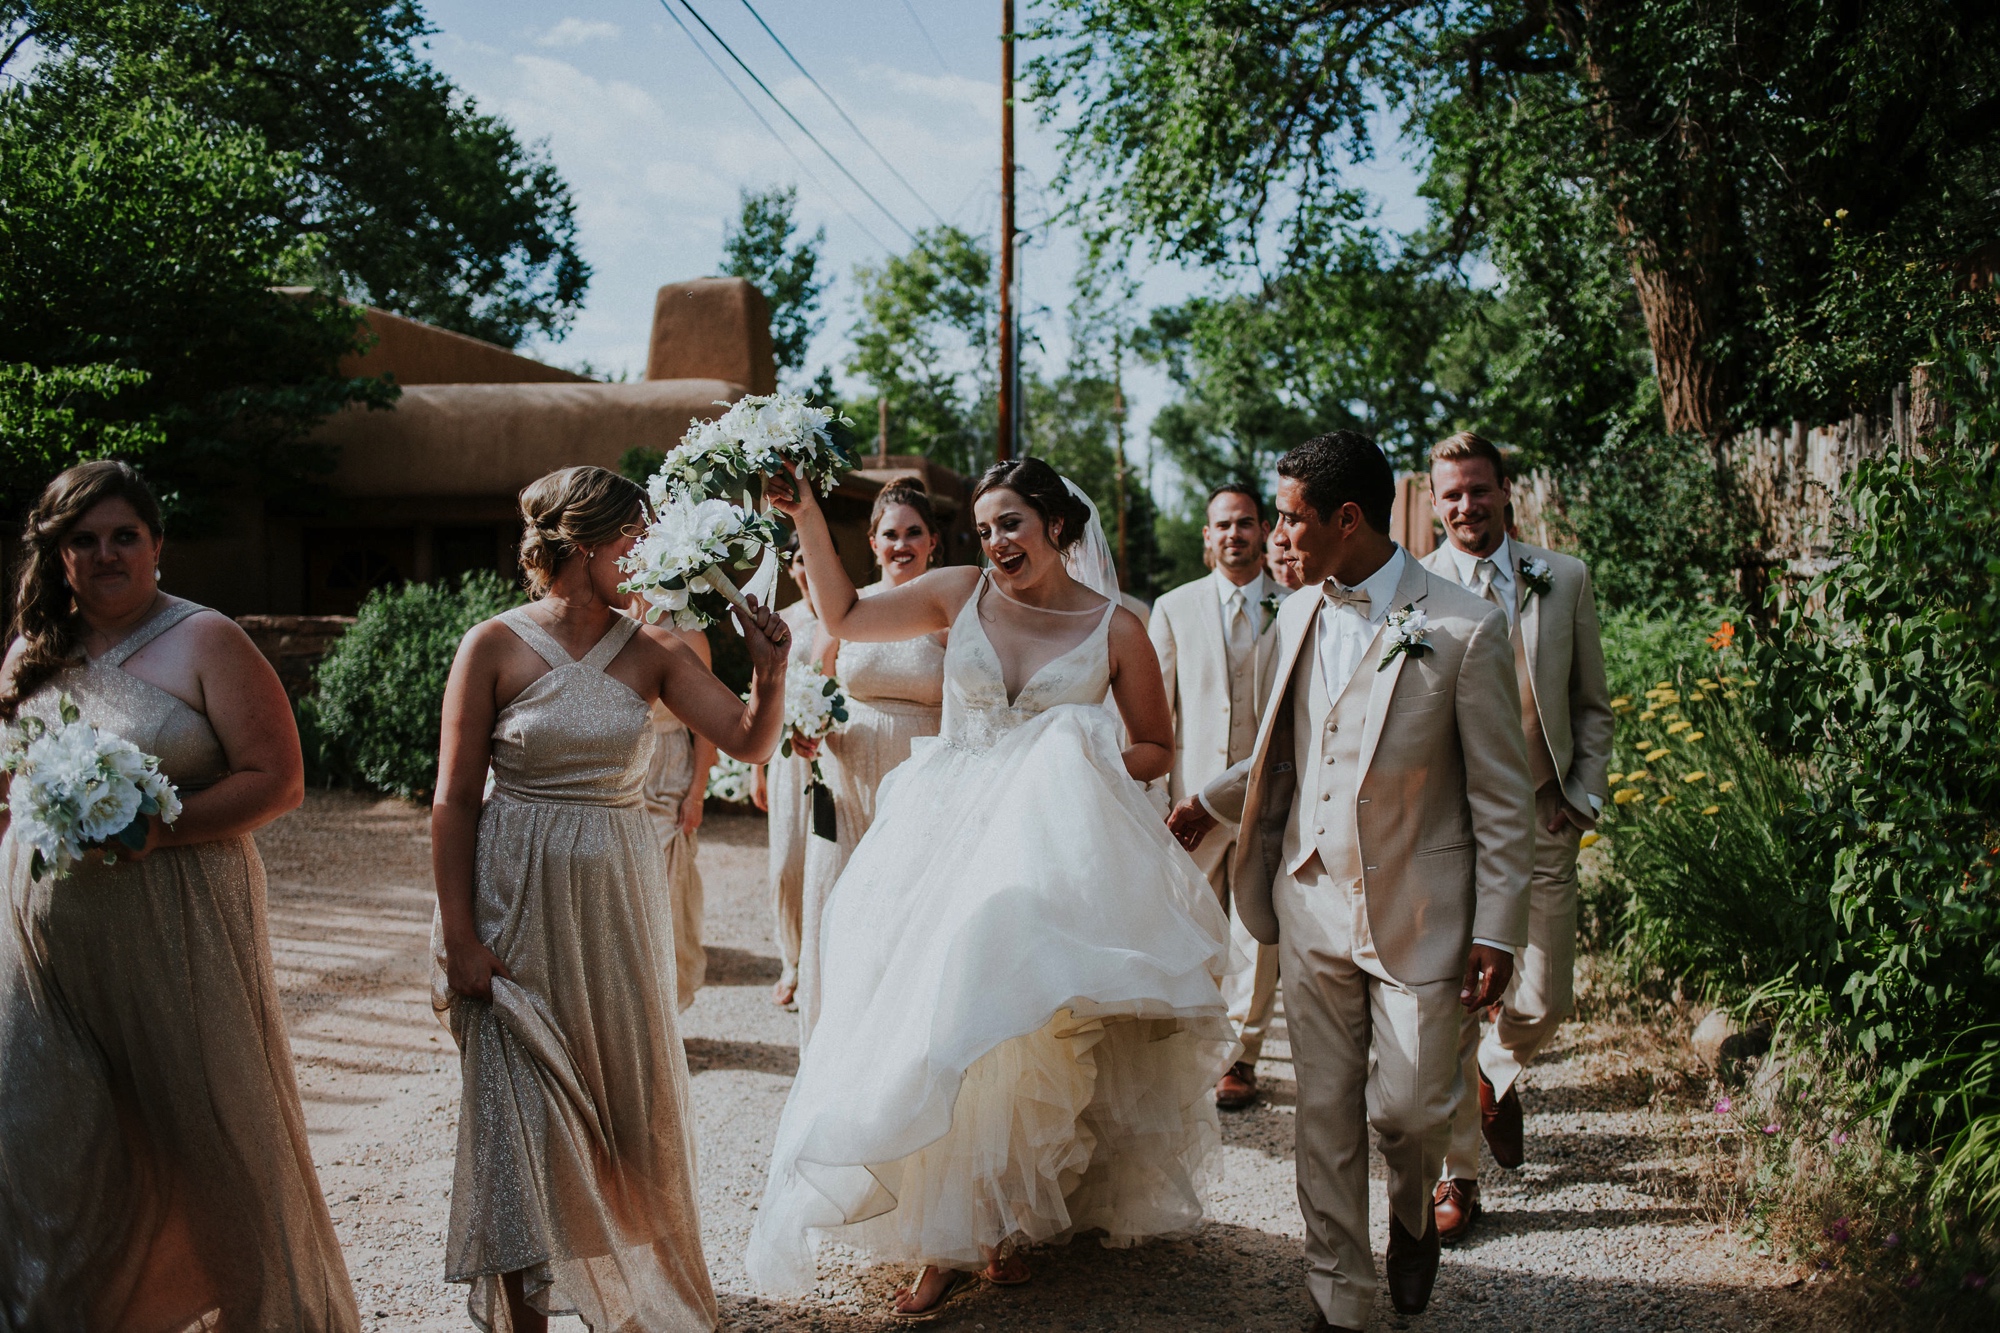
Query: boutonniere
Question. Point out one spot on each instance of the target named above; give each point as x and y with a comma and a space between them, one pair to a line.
1269, 606
1535, 576
1409, 632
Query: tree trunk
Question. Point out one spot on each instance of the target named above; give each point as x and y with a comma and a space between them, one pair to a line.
1675, 299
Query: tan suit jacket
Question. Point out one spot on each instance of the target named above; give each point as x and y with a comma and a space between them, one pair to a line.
1186, 627
1444, 807
1560, 637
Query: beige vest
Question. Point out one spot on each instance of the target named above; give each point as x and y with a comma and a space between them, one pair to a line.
1541, 764
1242, 689
1328, 755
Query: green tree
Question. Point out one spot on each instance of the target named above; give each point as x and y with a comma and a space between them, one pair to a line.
758, 248
138, 245
924, 338
421, 203
1693, 150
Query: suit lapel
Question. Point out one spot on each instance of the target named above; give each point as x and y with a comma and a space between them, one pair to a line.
1411, 590
1530, 616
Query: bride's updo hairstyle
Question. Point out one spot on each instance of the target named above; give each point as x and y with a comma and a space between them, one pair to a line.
1065, 515
576, 509
44, 615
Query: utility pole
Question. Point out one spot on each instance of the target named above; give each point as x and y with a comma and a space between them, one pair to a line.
1118, 423
1003, 443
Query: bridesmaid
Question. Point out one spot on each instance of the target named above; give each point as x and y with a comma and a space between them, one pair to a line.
780, 791
154, 1169
575, 1187
895, 693
676, 785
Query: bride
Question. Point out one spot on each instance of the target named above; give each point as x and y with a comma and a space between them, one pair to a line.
1020, 1021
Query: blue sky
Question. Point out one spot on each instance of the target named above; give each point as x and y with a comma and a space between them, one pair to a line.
656, 146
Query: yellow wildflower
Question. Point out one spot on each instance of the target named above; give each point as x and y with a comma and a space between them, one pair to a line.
1648, 715
1679, 727
1637, 775
1652, 755
1695, 776
1710, 809
1589, 840
1627, 795
1693, 736
1664, 685
1729, 694
1615, 778
1726, 786
1665, 800
1622, 701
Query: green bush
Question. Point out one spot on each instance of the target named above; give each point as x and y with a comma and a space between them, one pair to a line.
374, 716
1699, 858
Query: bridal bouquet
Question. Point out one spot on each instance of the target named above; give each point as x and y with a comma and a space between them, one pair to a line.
76, 788
681, 564
756, 436
731, 780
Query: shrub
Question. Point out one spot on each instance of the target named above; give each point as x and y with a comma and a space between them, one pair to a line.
379, 695
1712, 888
1886, 678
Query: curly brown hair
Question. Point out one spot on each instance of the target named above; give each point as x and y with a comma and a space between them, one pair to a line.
44, 608
569, 510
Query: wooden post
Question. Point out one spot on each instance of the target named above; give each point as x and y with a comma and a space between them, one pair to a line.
1003, 441
1118, 425
882, 432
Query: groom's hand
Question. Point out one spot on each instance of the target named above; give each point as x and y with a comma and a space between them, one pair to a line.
1189, 822
1487, 972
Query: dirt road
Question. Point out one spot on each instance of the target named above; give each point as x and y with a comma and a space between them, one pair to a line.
1594, 1233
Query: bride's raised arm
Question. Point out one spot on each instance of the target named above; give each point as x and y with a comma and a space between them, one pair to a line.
924, 605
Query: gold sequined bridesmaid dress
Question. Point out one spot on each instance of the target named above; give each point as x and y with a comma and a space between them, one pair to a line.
669, 778
576, 1140
154, 1170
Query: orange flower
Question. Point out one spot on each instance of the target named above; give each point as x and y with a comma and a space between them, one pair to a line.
1724, 635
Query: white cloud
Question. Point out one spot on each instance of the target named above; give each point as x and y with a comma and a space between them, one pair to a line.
574, 31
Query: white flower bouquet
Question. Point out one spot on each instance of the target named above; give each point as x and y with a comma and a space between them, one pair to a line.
681, 564
815, 708
731, 780
75, 788
756, 436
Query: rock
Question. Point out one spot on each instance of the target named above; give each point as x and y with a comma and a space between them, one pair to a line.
1710, 1035
1752, 1041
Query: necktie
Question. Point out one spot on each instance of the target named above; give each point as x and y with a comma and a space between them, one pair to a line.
1241, 636
1485, 572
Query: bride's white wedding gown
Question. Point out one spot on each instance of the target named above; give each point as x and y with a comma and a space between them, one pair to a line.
1020, 1022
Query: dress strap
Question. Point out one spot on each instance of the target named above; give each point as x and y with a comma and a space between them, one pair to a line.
622, 629
536, 637
171, 614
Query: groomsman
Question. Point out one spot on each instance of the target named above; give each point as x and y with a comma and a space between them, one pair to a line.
1566, 717
1384, 839
1217, 654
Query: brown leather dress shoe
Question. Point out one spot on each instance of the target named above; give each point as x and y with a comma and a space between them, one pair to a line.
1500, 1123
1413, 1266
1455, 1205
1237, 1089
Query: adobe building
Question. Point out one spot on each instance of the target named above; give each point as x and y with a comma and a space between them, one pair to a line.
427, 488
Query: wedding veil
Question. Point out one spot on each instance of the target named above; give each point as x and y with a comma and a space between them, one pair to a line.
1089, 560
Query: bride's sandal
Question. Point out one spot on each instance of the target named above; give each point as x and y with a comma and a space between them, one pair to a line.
1007, 1269
957, 1283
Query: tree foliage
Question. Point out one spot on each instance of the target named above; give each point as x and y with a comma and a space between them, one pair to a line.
1639, 175
923, 335
758, 248
423, 204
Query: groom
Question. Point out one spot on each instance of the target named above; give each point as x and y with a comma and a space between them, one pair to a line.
1385, 837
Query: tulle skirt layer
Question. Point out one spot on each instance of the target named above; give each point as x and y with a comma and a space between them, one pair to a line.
1021, 1023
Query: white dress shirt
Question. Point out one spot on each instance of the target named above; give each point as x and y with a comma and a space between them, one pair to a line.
1466, 565
1252, 594
1345, 631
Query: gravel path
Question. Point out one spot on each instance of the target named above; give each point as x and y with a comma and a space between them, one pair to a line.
1599, 1231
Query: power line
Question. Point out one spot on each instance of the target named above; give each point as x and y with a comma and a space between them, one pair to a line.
842, 112
723, 74
943, 64
838, 164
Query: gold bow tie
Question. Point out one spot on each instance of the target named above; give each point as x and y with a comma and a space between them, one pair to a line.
1357, 598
